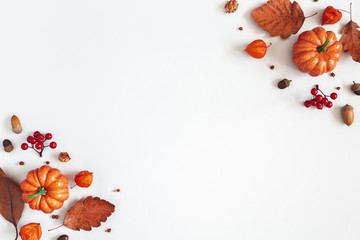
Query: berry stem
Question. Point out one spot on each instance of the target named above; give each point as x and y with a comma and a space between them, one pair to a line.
73, 186
323, 93
317, 87
32, 146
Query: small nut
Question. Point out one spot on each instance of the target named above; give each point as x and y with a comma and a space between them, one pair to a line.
16, 125
356, 88
348, 114
284, 83
8, 147
64, 157
63, 237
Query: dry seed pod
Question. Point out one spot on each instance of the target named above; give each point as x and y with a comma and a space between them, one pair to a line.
8, 147
64, 157
356, 88
284, 83
231, 6
348, 114
16, 125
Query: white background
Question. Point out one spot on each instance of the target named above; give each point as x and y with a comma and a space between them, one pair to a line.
159, 99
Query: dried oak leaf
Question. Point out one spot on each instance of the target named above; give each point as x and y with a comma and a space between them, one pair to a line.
351, 40
279, 17
11, 203
87, 213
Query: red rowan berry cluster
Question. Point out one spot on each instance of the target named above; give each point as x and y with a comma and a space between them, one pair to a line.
37, 141
320, 100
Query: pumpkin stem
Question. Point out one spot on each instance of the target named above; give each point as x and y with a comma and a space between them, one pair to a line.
41, 191
323, 48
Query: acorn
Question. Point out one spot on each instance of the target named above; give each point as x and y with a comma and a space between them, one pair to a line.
356, 88
348, 114
284, 83
8, 147
15, 124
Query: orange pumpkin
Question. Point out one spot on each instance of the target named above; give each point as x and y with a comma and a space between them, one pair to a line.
45, 189
317, 51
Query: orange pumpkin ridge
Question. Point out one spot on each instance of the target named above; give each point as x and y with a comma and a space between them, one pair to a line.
317, 51
45, 189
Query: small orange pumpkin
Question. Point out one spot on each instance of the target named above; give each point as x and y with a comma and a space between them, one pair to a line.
45, 189
317, 51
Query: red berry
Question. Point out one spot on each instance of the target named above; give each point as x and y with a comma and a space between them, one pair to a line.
329, 104
53, 145
319, 98
314, 91
24, 146
36, 133
319, 106
307, 104
313, 102
48, 136
38, 145
40, 138
31, 140
333, 96
325, 101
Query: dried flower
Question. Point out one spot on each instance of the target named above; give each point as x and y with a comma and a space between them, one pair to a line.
84, 179
64, 157
31, 231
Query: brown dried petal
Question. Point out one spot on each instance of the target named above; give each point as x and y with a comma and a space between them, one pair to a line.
64, 157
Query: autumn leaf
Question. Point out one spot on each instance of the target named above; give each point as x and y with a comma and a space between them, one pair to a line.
31, 231
11, 203
279, 17
87, 213
351, 40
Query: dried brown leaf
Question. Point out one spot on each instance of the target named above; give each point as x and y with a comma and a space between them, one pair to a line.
279, 17
351, 40
87, 213
11, 203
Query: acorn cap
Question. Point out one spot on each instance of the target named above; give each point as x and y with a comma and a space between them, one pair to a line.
6, 143
355, 87
347, 107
